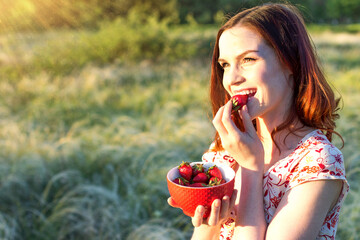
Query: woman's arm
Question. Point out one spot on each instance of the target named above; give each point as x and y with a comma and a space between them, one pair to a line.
209, 228
205, 232
249, 206
248, 151
300, 214
202, 228
303, 209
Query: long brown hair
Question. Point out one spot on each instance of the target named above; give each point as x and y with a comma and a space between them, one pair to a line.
283, 29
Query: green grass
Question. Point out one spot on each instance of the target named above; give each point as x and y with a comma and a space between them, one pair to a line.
86, 143
335, 28
339, 53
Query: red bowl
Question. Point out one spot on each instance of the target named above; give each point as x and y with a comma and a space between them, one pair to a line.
188, 198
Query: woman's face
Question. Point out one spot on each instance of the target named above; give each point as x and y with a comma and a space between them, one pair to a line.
251, 67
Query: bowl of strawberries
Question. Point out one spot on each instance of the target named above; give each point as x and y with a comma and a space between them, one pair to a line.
199, 183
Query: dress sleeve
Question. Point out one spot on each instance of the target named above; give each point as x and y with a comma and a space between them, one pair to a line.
221, 157
323, 161
209, 155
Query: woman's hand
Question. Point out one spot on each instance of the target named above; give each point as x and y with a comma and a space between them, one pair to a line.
209, 228
245, 147
220, 211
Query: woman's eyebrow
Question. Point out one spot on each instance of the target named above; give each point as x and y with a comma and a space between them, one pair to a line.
241, 55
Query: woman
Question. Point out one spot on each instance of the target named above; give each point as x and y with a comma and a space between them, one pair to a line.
290, 180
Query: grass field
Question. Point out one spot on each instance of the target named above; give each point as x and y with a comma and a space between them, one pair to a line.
87, 136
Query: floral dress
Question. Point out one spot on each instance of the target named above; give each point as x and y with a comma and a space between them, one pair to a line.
314, 158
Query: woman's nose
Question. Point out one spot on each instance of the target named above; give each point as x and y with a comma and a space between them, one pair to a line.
235, 76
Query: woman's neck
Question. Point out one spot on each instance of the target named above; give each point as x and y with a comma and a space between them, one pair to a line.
286, 140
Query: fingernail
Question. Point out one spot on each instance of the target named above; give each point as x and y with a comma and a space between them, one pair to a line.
244, 108
200, 210
217, 203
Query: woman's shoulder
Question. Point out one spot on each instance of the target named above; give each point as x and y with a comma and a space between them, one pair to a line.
317, 143
317, 158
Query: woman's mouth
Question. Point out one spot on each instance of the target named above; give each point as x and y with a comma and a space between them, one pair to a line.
248, 92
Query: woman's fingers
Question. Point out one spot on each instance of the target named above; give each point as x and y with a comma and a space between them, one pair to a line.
220, 210
225, 207
172, 203
197, 220
215, 212
233, 199
227, 120
248, 125
217, 122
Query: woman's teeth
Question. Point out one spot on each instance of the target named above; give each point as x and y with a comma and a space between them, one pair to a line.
249, 93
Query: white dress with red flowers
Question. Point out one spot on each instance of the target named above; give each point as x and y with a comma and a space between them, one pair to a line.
313, 159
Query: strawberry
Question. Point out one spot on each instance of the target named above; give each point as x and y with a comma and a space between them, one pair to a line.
198, 185
181, 181
214, 171
185, 170
201, 178
198, 168
216, 181
238, 101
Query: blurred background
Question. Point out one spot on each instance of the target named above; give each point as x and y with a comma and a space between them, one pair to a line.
100, 98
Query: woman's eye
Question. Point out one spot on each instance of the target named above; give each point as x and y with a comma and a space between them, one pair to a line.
248, 59
224, 65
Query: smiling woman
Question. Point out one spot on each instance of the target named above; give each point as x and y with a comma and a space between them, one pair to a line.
290, 179
244, 55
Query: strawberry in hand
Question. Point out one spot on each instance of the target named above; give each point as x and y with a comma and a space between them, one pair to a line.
238, 101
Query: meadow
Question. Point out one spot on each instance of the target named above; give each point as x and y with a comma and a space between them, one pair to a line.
92, 120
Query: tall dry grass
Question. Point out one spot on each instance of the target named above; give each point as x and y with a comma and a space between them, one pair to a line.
340, 56
84, 153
